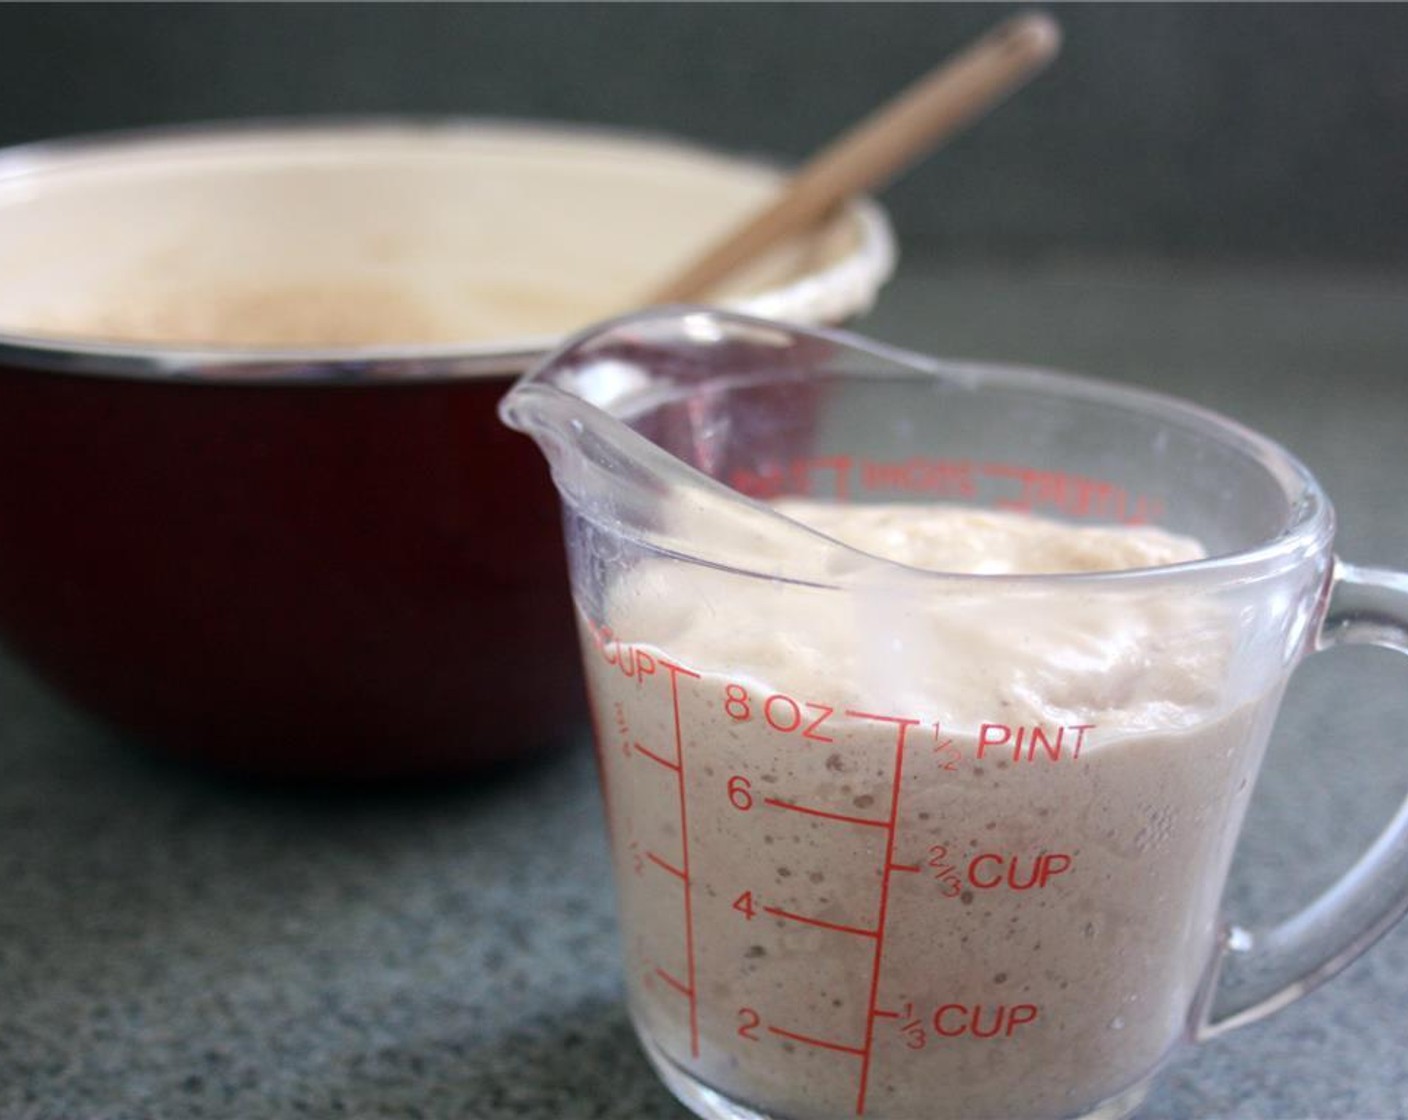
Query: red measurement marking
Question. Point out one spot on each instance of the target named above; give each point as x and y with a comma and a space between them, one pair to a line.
791, 917
677, 872
793, 477
821, 1042
1075, 494
919, 473
674, 982
888, 865
665, 762
1037, 741
869, 821
675, 671
905, 867
900, 720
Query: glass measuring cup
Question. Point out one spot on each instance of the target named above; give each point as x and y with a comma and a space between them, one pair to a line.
895, 843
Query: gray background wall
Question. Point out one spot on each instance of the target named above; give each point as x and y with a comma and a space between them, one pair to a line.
1243, 130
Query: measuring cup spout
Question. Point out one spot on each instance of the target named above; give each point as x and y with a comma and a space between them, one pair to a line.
659, 427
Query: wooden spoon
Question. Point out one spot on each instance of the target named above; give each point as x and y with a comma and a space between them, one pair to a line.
932, 109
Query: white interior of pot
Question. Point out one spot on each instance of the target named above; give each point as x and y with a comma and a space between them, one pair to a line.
389, 234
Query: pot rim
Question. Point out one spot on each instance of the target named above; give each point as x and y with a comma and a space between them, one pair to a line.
838, 291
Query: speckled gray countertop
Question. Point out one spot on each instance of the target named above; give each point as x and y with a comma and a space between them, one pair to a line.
172, 945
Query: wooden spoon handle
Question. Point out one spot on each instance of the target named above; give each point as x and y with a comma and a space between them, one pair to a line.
935, 107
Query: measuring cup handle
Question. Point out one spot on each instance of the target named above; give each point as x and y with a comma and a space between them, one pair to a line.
1262, 971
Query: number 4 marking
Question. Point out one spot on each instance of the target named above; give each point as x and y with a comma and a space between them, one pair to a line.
744, 905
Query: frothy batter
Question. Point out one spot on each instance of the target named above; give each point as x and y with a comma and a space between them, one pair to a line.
955, 853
